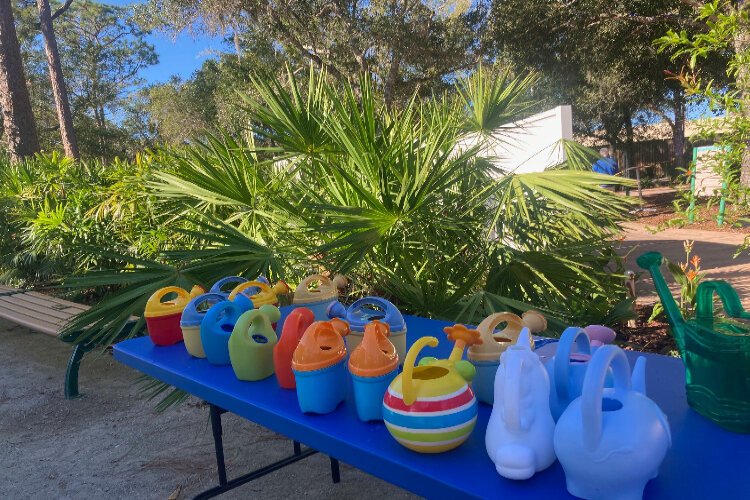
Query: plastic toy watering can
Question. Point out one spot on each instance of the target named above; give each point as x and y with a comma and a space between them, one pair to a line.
715, 351
566, 369
486, 356
192, 317
319, 366
373, 365
294, 327
430, 408
520, 431
318, 298
252, 342
369, 309
217, 327
265, 295
163, 317
611, 442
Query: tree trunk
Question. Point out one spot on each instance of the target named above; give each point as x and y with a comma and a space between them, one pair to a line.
741, 45
62, 105
18, 117
629, 141
678, 129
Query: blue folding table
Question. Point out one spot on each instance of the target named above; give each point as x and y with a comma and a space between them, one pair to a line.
705, 461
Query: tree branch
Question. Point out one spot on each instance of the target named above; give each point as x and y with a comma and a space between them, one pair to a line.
61, 10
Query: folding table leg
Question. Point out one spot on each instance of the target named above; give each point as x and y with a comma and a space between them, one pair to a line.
335, 472
216, 412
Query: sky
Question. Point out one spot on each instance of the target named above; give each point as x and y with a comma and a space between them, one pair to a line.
179, 57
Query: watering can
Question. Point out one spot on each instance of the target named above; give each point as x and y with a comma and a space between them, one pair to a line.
319, 365
715, 351
251, 343
611, 441
373, 365
318, 298
369, 309
431, 408
520, 431
192, 317
486, 356
217, 327
163, 316
294, 327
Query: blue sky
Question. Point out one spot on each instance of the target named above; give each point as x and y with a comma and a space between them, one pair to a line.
181, 56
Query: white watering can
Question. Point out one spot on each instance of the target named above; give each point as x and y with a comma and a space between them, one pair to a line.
520, 432
611, 441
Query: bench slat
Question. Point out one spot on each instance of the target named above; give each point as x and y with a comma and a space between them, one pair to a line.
31, 322
45, 300
43, 304
15, 303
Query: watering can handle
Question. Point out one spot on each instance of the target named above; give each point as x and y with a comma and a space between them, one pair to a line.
249, 284
562, 358
305, 283
155, 300
358, 305
512, 393
247, 318
593, 388
212, 315
490, 322
206, 297
216, 288
407, 383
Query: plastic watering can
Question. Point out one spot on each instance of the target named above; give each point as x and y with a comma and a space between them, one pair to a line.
217, 327
566, 369
715, 351
318, 298
430, 408
192, 317
252, 342
294, 327
520, 431
319, 366
369, 309
373, 365
163, 317
611, 441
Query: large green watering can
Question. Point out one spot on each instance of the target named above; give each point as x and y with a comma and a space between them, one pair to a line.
716, 351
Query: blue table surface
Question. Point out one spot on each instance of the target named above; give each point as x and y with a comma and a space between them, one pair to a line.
705, 461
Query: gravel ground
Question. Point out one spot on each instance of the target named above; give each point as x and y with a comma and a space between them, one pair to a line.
113, 444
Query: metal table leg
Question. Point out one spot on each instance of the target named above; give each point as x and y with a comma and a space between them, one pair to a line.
225, 485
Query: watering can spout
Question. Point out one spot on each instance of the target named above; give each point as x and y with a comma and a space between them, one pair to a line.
651, 261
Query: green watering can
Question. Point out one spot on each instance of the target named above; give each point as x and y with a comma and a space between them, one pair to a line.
716, 351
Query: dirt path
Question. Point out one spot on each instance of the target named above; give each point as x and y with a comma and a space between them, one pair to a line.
716, 250
111, 443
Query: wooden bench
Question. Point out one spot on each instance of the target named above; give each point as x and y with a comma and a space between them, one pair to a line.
46, 314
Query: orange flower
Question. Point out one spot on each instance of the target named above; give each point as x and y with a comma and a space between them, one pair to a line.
695, 261
691, 275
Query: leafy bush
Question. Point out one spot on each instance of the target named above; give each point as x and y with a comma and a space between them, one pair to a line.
405, 201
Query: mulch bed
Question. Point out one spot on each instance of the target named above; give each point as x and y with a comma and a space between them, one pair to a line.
653, 337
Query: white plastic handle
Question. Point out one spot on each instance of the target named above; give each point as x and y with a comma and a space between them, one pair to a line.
562, 358
593, 389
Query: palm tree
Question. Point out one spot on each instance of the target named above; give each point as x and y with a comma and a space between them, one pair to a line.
335, 179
